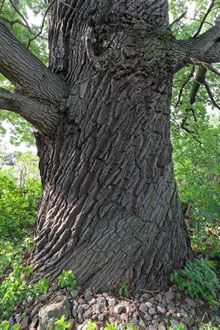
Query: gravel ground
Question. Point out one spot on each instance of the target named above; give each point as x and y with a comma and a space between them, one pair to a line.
146, 309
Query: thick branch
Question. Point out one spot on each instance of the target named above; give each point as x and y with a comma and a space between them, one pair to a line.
204, 48
41, 115
26, 71
200, 79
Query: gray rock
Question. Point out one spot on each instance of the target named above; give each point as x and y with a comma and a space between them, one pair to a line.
112, 302
161, 309
44, 298
101, 317
188, 320
143, 308
152, 311
217, 319
169, 295
165, 301
30, 300
190, 302
161, 326
128, 309
174, 323
80, 318
24, 324
17, 318
33, 324
11, 321
146, 296
147, 317
178, 296
119, 309
36, 310
149, 304
88, 296
183, 312
59, 293
102, 302
193, 312
74, 293
159, 298
152, 327
74, 312
85, 306
87, 314
92, 301
142, 324
124, 318
171, 308
80, 309
94, 317
53, 311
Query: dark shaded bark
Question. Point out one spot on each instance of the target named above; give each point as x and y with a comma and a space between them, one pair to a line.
110, 209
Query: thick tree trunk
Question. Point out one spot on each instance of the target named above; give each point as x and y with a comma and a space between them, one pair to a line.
110, 209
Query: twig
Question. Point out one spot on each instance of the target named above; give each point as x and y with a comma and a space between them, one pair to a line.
20, 14
204, 18
211, 96
184, 84
42, 25
178, 19
17, 21
207, 66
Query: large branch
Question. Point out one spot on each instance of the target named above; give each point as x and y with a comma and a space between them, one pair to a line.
43, 116
26, 71
205, 47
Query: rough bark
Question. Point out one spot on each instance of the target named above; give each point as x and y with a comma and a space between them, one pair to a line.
110, 209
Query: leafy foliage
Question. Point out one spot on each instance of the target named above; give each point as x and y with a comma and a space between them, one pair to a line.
67, 278
197, 278
18, 204
109, 326
16, 286
5, 325
123, 289
208, 326
61, 324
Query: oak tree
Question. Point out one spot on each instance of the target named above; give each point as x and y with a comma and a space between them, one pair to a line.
101, 116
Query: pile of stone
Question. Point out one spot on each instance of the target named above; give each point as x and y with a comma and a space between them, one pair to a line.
146, 310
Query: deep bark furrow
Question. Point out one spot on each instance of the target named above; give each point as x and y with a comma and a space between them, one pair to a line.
114, 177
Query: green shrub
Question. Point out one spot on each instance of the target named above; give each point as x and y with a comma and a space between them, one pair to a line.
197, 278
16, 285
61, 324
18, 206
67, 278
123, 289
196, 168
5, 325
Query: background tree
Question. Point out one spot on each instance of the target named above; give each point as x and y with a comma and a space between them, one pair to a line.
110, 209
